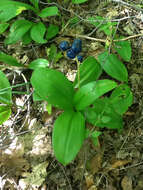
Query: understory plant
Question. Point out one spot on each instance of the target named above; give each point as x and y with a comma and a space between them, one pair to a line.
26, 30
100, 102
88, 100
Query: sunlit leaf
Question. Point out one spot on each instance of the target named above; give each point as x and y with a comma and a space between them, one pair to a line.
68, 136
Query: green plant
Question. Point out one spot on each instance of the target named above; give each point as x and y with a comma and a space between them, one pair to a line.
70, 130
88, 99
113, 41
23, 29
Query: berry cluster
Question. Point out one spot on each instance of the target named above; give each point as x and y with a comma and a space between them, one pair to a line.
72, 51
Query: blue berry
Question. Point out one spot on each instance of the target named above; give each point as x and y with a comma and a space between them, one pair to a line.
64, 45
80, 58
76, 46
71, 54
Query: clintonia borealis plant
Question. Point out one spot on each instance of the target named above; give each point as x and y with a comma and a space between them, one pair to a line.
87, 100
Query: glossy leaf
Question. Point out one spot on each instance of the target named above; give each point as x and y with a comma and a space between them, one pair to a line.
121, 98
17, 30
9, 9
49, 11
3, 27
103, 115
5, 91
39, 63
37, 33
79, 1
52, 31
5, 112
53, 86
113, 66
124, 49
88, 93
68, 136
7, 59
90, 70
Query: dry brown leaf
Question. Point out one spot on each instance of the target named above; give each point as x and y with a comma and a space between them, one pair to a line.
119, 163
110, 187
126, 183
95, 163
13, 164
89, 180
93, 187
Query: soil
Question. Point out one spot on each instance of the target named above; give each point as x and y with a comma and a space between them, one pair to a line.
27, 160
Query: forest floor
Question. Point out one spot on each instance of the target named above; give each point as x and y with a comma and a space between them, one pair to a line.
27, 160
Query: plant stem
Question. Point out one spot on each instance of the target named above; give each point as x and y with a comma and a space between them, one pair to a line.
78, 72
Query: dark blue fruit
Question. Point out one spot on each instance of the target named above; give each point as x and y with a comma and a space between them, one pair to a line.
80, 58
71, 54
77, 46
64, 45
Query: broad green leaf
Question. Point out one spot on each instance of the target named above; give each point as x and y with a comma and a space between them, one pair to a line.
113, 66
53, 86
9, 9
26, 38
3, 27
7, 59
88, 93
5, 91
124, 49
17, 30
49, 11
90, 70
79, 1
68, 136
101, 114
37, 33
5, 112
35, 3
121, 98
52, 31
39, 63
